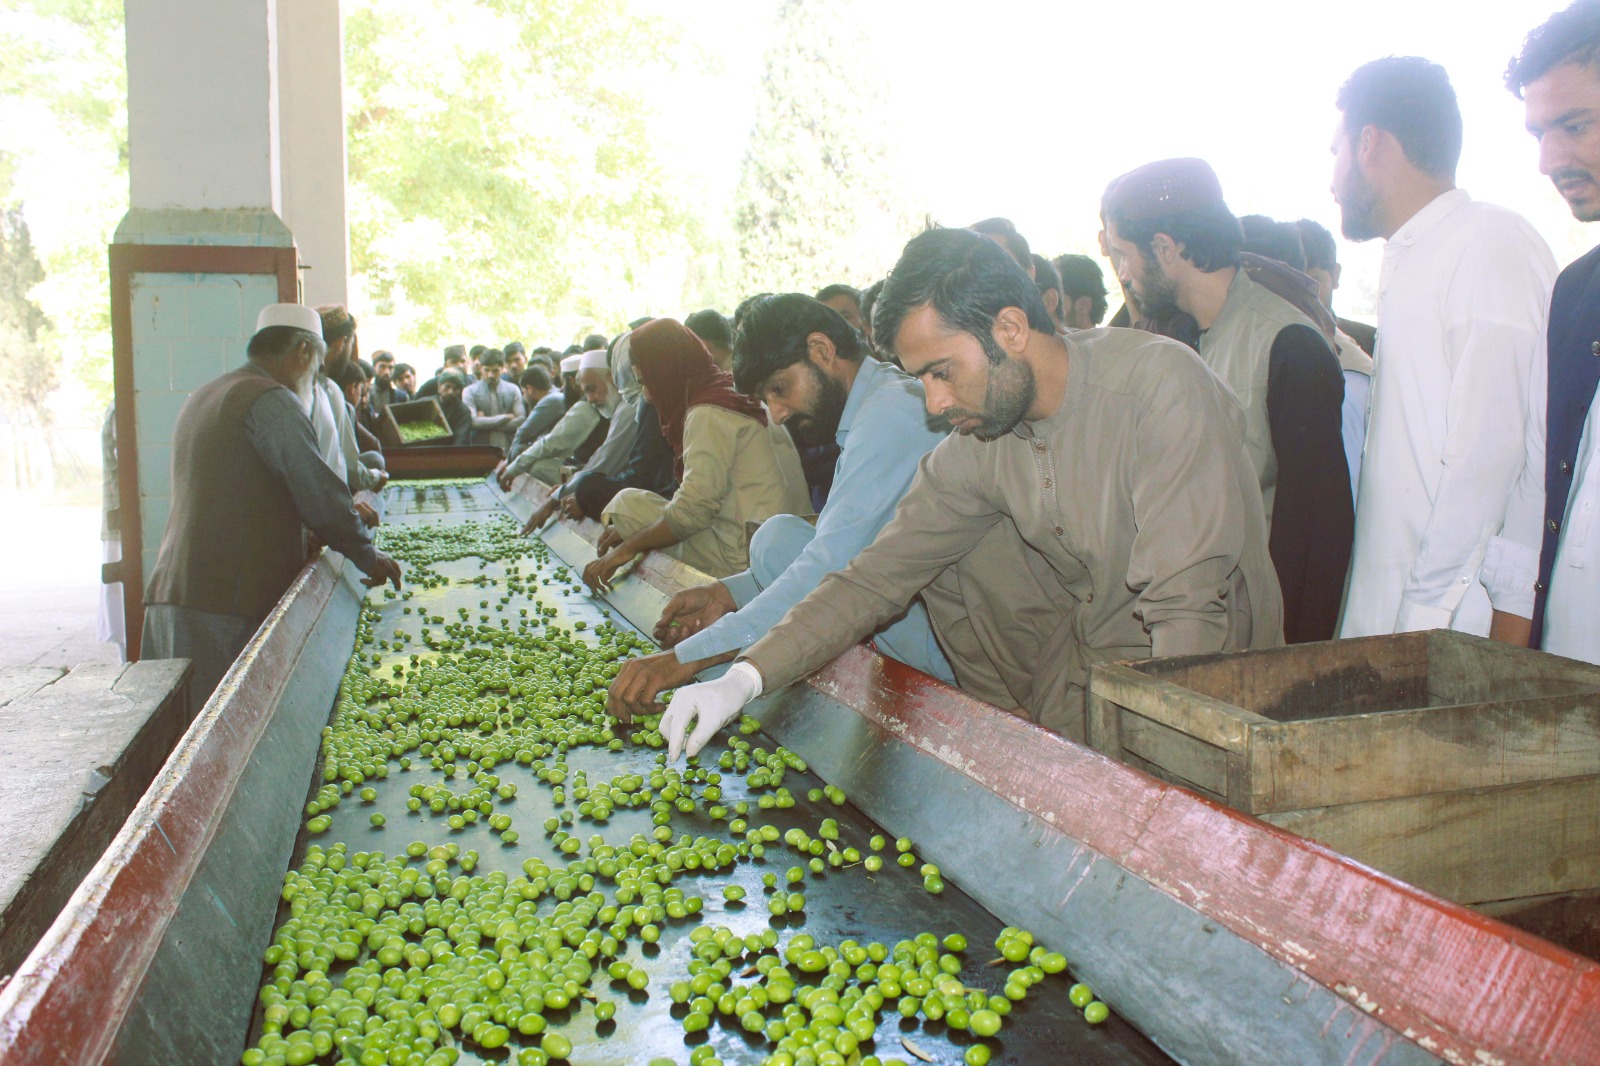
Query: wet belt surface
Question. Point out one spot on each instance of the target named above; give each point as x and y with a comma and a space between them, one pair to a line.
888, 906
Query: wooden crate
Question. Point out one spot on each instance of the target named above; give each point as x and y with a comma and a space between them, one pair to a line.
424, 410
1464, 766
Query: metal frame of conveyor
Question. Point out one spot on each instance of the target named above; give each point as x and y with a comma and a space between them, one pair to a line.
1222, 938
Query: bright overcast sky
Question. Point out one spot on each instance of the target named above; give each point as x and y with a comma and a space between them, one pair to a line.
1027, 109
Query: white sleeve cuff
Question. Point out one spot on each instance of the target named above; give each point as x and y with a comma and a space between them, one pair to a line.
1414, 616
1510, 570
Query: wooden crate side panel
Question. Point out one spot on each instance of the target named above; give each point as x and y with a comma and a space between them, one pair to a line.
1212, 721
1175, 756
1161, 773
1309, 680
1467, 669
1297, 765
1472, 846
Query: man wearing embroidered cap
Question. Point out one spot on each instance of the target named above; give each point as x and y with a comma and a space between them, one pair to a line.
247, 480
1177, 248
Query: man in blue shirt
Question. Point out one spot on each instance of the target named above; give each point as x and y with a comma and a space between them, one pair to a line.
809, 366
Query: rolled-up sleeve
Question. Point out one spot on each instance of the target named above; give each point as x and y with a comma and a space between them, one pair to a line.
940, 518
281, 435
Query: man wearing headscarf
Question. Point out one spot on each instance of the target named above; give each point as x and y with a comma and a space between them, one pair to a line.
1177, 247
247, 480
732, 466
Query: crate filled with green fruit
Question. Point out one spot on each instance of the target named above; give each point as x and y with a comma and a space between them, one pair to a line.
413, 422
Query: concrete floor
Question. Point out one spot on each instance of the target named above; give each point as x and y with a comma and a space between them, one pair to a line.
50, 585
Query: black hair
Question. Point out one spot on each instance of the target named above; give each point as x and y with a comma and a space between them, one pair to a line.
543, 350
744, 306
457, 351
350, 375
275, 342
1006, 230
572, 349
968, 280
381, 355
595, 341
1082, 276
337, 323
1321, 251
514, 346
1273, 239
1569, 36
492, 357
535, 375
1209, 235
839, 288
1045, 277
401, 370
773, 336
1411, 98
711, 327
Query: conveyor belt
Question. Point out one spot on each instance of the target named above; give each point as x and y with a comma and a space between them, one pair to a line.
888, 906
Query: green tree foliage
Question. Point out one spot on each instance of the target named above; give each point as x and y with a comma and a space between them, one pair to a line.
817, 198
26, 377
501, 177
64, 61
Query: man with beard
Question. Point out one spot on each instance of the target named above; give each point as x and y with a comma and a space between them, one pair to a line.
1447, 518
1558, 80
809, 366
1106, 469
331, 417
1177, 247
452, 383
247, 481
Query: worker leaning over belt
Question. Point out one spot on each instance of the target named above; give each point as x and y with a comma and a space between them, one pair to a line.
247, 477
811, 368
1111, 460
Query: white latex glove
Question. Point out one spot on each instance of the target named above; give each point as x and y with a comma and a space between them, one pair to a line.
711, 704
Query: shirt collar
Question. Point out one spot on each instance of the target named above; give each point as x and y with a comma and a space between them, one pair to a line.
1439, 208
872, 374
1071, 397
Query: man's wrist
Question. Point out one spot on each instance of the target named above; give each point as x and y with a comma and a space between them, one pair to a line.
745, 675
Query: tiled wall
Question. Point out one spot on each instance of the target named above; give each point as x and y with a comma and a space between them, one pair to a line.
187, 329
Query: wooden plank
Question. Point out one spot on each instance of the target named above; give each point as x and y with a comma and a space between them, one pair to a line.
1190, 761
1471, 846
1102, 723
1468, 669
1331, 762
1213, 721
1308, 680
1162, 773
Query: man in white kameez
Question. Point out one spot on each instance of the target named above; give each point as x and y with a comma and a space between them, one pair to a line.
1448, 502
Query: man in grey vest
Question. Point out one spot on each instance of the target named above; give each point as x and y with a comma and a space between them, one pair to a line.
1176, 247
247, 479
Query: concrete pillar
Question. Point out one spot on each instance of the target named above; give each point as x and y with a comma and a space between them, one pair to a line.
203, 247
312, 148
202, 104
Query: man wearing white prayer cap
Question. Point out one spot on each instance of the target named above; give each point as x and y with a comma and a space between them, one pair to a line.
247, 481
581, 430
614, 369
